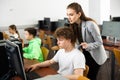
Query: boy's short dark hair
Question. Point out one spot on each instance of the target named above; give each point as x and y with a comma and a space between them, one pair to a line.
31, 30
66, 33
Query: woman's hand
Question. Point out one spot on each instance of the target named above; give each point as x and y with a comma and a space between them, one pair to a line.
84, 45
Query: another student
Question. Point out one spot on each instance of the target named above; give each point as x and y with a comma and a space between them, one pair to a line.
33, 51
1, 36
71, 61
14, 32
88, 37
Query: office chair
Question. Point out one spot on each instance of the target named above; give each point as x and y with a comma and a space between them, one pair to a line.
86, 70
117, 55
82, 78
45, 52
47, 41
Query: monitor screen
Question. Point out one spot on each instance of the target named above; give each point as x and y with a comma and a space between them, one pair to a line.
61, 23
4, 66
14, 61
54, 25
41, 24
111, 28
46, 21
19, 43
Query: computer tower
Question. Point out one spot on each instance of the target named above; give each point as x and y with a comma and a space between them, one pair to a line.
47, 23
53, 26
116, 19
41, 24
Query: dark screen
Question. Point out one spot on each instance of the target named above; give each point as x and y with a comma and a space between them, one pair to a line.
15, 59
54, 25
4, 66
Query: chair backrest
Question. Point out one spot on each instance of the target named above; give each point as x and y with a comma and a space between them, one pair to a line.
86, 70
49, 41
83, 78
45, 52
117, 55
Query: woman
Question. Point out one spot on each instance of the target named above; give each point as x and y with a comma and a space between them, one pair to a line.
71, 61
88, 37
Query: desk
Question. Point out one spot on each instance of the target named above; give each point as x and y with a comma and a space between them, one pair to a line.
110, 49
41, 71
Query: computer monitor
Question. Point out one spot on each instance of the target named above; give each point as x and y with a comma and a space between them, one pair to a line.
61, 22
4, 66
111, 28
19, 43
41, 24
15, 64
46, 21
53, 26
67, 23
116, 19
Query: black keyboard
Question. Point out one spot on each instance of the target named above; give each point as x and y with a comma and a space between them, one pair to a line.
32, 75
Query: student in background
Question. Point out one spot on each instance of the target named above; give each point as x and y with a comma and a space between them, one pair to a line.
1, 36
88, 37
71, 61
33, 51
14, 32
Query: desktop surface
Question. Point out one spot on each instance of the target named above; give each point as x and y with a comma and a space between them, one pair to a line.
39, 73
111, 43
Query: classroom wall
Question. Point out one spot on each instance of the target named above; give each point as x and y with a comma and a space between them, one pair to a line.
27, 12
114, 8
99, 10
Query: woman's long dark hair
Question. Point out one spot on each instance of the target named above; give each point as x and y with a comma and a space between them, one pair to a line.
77, 7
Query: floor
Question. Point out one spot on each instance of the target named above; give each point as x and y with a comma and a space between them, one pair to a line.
105, 71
